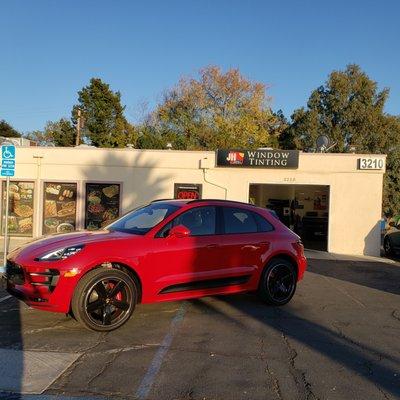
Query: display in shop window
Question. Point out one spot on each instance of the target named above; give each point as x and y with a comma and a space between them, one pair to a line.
320, 201
102, 205
187, 191
59, 207
20, 214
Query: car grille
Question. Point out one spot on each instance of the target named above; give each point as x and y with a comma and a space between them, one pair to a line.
15, 273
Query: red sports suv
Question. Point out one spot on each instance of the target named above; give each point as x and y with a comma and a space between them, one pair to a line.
166, 250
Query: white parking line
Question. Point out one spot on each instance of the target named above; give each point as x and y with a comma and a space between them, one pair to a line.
5, 298
148, 380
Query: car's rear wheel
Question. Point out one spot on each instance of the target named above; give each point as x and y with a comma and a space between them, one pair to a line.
104, 299
387, 247
278, 282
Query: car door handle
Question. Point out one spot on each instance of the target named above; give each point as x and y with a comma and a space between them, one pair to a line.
211, 246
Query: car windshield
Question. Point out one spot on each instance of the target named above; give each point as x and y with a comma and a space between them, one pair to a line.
141, 220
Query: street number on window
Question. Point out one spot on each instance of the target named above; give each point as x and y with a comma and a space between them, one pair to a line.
370, 163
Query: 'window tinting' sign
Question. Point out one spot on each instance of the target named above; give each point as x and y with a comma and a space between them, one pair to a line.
258, 158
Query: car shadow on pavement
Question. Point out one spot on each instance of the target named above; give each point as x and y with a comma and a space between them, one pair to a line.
11, 346
362, 359
376, 275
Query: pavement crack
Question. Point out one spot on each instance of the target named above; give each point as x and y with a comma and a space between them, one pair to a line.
104, 368
366, 349
368, 364
299, 376
396, 314
101, 338
370, 370
275, 382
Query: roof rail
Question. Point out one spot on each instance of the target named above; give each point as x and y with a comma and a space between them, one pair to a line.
223, 200
154, 201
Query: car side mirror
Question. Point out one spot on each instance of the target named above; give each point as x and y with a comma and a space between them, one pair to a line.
179, 231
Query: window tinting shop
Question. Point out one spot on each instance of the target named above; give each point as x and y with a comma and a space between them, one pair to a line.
332, 201
303, 208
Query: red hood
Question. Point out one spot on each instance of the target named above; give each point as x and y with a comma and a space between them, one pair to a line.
49, 243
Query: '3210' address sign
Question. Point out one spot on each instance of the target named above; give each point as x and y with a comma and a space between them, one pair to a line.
258, 158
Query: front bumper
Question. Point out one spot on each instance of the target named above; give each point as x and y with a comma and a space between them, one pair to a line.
40, 287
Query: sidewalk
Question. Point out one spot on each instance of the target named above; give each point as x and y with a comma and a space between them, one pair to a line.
323, 255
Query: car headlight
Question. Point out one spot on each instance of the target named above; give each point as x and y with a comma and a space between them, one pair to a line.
61, 254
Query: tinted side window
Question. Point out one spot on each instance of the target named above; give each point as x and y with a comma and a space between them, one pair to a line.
200, 221
263, 224
238, 220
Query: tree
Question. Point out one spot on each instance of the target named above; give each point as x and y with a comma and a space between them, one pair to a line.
102, 113
62, 132
349, 109
6, 130
59, 133
151, 138
41, 138
218, 110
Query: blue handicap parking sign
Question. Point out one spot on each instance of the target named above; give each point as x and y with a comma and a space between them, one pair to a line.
8, 164
8, 152
7, 172
7, 160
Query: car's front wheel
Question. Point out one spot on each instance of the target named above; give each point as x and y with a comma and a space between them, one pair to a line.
278, 282
104, 299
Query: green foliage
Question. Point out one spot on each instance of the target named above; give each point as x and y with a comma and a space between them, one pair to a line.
39, 137
350, 110
60, 133
6, 130
151, 138
102, 113
219, 110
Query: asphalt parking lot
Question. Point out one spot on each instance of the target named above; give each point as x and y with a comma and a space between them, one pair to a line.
339, 338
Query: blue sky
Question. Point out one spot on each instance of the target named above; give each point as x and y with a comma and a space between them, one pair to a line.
51, 49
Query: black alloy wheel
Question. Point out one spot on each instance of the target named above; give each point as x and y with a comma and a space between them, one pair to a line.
278, 282
104, 299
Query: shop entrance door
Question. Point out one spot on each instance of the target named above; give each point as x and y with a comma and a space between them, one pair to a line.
303, 208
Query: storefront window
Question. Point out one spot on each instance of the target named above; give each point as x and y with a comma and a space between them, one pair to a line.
59, 207
102, 204
20, 213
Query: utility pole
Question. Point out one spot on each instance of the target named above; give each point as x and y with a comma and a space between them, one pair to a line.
78, 129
